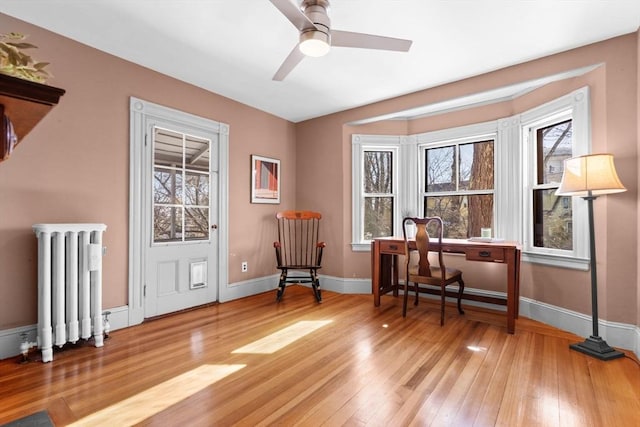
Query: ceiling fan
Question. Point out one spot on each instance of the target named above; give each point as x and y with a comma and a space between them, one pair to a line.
317, 37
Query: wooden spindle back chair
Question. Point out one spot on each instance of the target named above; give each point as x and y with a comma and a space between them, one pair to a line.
298, 248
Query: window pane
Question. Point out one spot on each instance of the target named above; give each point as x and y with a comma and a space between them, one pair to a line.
476, 166
553, 224
167, 224
463, 216
167, 148
196, 153
196, 189
167, 186
378, 217
554, 146
196, 223
440, 169
378, 172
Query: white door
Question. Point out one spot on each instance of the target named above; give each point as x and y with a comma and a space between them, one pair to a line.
181, 213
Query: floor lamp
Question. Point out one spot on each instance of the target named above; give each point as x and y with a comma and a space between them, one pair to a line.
588, 177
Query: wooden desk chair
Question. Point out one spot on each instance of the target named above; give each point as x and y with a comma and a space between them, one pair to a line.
298, 248
420, 271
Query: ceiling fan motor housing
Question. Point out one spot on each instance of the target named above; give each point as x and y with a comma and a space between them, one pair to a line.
316, 11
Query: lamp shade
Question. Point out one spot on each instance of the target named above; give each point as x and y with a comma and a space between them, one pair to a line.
590, 175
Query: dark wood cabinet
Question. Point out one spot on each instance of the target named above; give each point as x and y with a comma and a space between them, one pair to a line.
23, 104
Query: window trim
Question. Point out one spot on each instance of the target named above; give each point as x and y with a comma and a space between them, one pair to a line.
474, 133
512, 174
360, 144
576, 107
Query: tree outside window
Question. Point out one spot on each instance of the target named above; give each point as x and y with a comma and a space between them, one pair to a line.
458, 187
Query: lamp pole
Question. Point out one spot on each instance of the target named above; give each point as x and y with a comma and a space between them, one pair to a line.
594, 345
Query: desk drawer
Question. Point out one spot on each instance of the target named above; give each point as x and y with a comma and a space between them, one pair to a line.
485, 254
392, 247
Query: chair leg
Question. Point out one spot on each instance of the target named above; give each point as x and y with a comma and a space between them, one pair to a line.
442, 291
416, 289
460, 292
315, 284
281, 285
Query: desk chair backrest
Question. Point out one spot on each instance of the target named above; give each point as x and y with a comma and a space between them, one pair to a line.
426, 228
298, 233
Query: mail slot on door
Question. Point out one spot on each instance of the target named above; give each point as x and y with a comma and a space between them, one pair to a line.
485, 254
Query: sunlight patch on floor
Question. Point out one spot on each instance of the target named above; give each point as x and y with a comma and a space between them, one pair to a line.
282, 338
158, 398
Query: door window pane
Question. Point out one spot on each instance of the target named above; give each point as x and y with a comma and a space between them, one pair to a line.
196, 223
167, 224
181, 181
196, 189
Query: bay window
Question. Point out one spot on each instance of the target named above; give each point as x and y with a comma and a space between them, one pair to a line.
501, 175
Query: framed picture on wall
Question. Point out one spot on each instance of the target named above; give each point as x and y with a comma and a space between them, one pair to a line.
265, 180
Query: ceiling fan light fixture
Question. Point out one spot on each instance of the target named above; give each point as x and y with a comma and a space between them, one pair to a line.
314, 43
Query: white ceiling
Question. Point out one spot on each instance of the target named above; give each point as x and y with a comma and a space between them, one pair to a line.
234, 47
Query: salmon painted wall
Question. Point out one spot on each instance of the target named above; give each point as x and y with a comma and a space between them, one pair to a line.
637, 281
614, 109
74, 167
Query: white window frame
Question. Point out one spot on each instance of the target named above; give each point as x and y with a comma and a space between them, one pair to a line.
456, 136
514, 161
574, 106
359, 145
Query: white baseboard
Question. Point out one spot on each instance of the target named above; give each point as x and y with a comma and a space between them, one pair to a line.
10, 339
616, 334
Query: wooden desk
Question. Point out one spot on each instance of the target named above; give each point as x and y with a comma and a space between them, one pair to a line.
384, 269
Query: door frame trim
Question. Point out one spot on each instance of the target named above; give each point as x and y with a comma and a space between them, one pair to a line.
140, 112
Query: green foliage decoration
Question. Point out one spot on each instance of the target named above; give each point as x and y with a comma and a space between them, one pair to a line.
15, 62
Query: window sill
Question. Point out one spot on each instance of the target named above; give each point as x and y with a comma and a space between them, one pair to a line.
361, 247
556, 261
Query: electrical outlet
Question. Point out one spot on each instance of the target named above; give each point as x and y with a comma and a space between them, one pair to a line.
245, 266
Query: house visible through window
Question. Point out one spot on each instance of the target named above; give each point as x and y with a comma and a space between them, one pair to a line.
552, 214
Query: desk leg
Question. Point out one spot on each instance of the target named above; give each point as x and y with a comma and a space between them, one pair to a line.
375, 272
518, 254
512, 290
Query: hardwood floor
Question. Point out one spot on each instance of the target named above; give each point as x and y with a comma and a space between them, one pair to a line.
356, 365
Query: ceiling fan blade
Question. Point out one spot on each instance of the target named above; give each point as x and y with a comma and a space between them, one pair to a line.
289, 64
368, 41
293, 14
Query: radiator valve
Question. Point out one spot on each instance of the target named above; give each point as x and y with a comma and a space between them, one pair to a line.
25, 345
105, 322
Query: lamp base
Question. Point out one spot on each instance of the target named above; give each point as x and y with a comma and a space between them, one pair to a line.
598, 348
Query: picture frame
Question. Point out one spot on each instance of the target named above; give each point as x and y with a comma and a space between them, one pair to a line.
265, 179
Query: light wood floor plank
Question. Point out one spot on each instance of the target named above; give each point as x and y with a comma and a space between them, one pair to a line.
368, 366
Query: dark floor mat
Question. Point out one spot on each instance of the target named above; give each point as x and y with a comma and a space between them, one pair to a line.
39, 419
